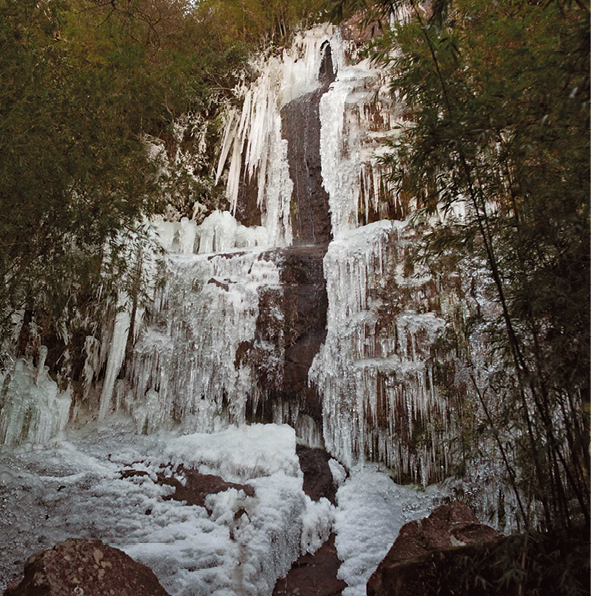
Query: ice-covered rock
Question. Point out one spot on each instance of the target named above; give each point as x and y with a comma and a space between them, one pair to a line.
32, 408
375, 370
205, 310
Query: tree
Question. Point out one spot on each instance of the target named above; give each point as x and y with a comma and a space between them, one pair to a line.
84, 84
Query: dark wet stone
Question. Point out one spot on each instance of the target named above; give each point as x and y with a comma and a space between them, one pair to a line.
318, 480
313, 575
285, 346
310, 219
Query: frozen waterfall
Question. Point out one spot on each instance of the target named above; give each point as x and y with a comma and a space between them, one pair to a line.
276, 311
290, 317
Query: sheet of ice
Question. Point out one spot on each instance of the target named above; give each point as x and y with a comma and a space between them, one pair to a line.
239, 453
118, 343
220, 232
371, 510
76, 489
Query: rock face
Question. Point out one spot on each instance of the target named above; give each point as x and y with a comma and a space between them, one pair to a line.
198, 486
313, 575
290, 329
79, 567
448, 526
301, 127
318, 480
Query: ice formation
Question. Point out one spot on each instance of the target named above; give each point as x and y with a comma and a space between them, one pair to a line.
185, 366
375, 368
191, 551
32, 409
356, 115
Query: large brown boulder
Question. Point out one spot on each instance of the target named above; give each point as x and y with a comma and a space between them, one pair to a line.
79, 567
448, 526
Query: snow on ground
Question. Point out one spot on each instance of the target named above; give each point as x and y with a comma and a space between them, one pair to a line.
371, 510
73, 487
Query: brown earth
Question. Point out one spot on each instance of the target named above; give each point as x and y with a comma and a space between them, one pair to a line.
313, 575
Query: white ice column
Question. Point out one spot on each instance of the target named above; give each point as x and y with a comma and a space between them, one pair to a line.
118, 344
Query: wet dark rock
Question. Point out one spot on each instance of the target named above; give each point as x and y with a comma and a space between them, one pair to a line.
300, 118
453, 525
194, 486
448, 525
79, 567
326, 73
552, 563
318, 480
310, 218
313, 575
290, 329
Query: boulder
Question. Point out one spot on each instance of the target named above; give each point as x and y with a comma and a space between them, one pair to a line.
80, 567
448, 526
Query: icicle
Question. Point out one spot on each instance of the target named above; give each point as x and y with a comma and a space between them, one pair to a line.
33, 409
41, 368
116, 356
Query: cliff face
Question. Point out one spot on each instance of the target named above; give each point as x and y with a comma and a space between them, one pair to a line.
299, 305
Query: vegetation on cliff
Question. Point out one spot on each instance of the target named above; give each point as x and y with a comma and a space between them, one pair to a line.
110, 112
497, 98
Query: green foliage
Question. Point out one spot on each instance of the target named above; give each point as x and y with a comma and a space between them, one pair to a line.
88, 86
497, 98
74, 179
260, 22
